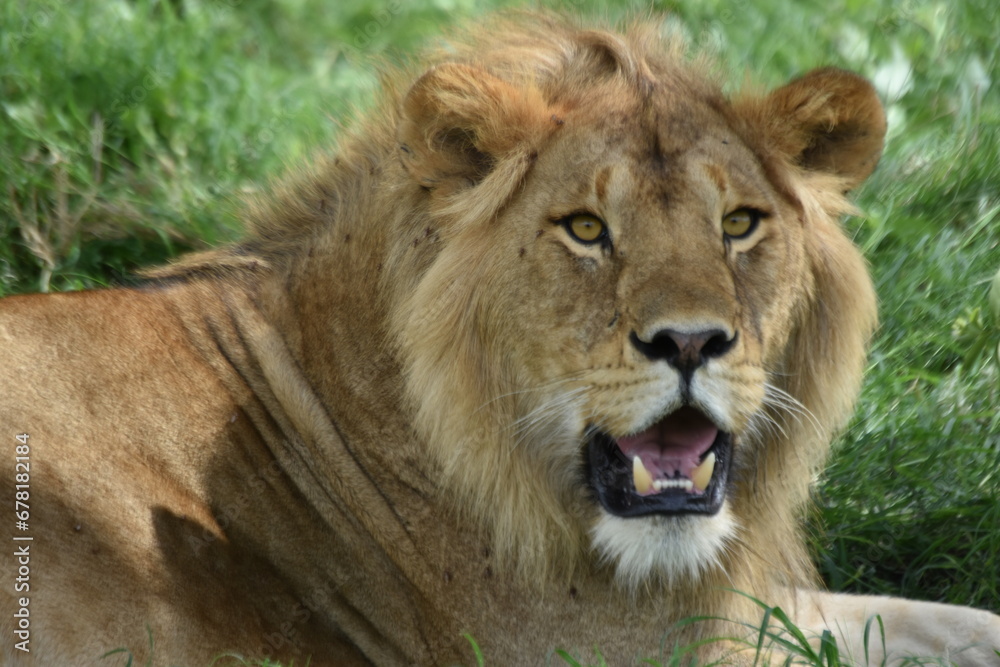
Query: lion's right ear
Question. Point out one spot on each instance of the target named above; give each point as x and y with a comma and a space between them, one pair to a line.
459, 122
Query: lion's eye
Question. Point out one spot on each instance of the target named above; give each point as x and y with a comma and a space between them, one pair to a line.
740, 223
586, 228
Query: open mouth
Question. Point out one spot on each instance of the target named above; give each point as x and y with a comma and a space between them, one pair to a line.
680, 465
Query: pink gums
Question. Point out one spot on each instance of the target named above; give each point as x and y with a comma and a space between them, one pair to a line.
674, 446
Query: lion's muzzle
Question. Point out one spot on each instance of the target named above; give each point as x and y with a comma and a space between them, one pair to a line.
679, 465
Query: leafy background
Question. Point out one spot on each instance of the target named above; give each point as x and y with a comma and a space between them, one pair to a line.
130, 130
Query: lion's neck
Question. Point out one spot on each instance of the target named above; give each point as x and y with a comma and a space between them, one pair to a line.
327, 408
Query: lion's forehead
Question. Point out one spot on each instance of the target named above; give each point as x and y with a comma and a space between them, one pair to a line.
664, 150
641, 187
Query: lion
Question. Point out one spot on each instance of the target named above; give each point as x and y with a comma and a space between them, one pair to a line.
547, 355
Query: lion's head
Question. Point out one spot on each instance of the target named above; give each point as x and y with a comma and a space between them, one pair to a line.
640, 321
627, 318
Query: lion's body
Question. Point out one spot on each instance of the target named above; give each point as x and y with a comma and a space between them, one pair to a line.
182, 520
365, 431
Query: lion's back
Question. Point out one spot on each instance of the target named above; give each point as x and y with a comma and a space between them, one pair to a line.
106, 406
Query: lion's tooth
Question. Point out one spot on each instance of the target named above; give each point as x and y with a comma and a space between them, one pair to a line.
702, 475
640, 476
664, 484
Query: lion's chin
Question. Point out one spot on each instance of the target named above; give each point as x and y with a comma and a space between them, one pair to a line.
678, 466
675, 549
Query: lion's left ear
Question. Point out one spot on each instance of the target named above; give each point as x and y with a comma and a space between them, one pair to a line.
829, 120
459, 122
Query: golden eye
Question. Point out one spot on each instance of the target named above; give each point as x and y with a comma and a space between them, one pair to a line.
586, 228
740, 223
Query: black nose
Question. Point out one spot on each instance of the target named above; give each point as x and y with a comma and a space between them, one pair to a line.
685, 351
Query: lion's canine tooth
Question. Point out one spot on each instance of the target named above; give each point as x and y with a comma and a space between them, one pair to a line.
702, 475
640, 476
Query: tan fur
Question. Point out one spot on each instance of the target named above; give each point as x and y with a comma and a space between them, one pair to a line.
359, 434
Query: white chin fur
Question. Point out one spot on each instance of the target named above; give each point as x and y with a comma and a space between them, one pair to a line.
672, 548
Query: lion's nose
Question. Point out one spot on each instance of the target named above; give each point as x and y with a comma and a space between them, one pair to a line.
685, 351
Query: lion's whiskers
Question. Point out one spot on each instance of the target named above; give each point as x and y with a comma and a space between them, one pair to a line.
783, 401
545, 414
569, 377
555, 408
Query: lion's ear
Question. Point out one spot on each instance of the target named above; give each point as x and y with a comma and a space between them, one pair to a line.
829, 120
458, 122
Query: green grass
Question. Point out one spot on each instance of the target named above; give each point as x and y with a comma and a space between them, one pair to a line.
130, 129
911, 503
